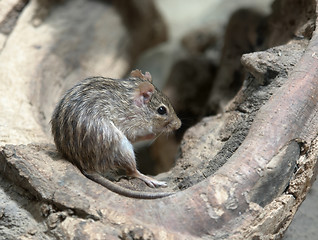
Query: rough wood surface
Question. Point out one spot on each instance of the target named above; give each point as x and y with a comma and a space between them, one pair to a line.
266, 166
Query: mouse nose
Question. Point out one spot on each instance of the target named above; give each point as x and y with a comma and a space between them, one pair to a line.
176, 124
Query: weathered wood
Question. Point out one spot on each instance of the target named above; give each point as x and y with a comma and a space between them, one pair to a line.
243, 199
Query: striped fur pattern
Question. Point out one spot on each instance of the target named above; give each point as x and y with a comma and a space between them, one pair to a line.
96, 121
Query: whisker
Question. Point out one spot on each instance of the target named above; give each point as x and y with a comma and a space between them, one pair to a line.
153, 140
168, 134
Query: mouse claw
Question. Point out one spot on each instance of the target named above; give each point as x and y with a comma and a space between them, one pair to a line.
156, 183
151, 182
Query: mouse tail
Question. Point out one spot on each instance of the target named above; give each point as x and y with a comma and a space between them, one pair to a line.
124, 191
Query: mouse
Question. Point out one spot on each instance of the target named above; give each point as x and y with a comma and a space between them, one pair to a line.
97, 121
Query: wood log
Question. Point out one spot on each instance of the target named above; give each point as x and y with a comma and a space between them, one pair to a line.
255, 189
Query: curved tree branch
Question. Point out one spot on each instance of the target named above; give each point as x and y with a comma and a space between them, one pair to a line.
227, 203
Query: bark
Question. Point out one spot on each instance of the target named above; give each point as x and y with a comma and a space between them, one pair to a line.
265, 168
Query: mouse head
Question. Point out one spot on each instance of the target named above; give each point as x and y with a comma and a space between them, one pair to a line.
158, 109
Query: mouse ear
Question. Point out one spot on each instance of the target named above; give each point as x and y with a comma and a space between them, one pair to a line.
138, 74
143, 93
148, 77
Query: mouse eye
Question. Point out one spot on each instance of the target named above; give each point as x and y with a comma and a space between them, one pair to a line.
162, 110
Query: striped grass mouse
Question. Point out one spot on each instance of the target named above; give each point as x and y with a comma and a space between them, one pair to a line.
98, 119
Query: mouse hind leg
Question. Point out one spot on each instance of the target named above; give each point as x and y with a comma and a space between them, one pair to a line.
126, 160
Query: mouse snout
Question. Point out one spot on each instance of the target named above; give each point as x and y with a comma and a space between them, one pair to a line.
176, 124
172, 125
